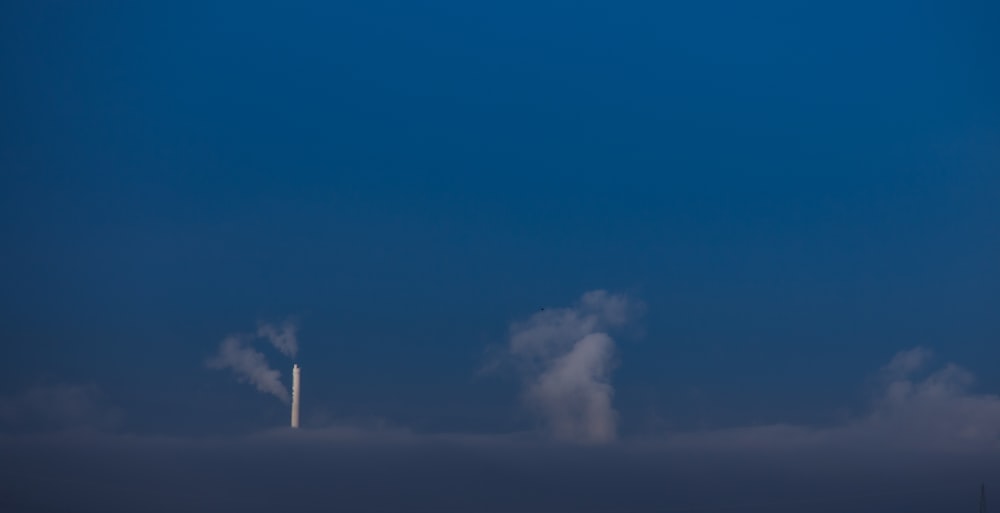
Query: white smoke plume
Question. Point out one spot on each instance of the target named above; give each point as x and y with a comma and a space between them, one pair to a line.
283, 338
249, 365
567, 357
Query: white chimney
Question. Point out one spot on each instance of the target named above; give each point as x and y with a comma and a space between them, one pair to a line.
296, 388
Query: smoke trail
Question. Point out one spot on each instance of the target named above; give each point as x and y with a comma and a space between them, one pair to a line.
283, 338
567, 358
249, 365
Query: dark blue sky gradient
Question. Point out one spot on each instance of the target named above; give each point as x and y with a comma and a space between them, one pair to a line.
797, 191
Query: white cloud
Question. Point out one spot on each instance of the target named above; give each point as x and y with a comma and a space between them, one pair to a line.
567, 358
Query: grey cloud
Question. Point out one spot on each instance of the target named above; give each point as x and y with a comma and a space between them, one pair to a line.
938, 412
574, 393
566, 357
249, 366
350, 469
905, 363
553, 331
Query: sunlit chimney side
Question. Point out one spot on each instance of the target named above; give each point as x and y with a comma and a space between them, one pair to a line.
296, 388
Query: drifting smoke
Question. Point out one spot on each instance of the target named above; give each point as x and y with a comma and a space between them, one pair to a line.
283, 338
567, 357
249, 365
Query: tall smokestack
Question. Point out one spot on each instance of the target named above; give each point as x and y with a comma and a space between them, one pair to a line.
296, 388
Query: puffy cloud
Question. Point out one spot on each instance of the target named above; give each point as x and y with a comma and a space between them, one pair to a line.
905, 363
567, 358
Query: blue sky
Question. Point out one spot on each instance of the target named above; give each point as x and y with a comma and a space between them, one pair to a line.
796, 193
535, 256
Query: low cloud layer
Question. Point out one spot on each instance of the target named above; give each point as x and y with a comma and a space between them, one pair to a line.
344, 469
925, 445
567, 357
249, 366
915, 408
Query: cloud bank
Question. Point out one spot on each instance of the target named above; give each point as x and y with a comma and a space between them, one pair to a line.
924, 446
394, 471
933, 411
566, 356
